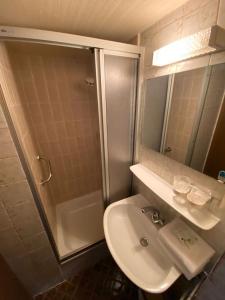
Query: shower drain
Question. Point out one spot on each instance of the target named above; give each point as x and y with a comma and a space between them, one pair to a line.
144, 242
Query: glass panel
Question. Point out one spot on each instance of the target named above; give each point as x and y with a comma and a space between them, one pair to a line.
184, 113
120, 89
154, 112
211, 127
60, 112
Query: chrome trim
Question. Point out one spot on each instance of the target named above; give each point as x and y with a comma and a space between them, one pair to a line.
104, 122
167, 112
120, 53
133, 117
41, 157
198, 117
139, 107
100, 119
214, 129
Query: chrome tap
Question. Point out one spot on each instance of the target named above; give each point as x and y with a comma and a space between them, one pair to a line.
155, 214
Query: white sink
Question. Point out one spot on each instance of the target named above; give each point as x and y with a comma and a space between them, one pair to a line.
124, 226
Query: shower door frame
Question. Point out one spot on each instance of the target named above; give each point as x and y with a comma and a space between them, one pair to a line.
17, 34
101, 95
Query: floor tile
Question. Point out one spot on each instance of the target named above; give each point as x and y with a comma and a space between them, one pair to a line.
104, 281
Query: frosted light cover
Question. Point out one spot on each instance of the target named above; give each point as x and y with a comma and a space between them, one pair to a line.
188, 47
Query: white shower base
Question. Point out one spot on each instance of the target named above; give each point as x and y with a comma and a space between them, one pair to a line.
79, 223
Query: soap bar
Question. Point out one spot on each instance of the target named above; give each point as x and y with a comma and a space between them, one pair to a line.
188, 251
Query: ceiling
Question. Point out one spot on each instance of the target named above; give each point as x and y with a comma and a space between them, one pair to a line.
118, 20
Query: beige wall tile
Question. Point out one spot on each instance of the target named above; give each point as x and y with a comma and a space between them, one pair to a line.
36, 241
2, 120
15, 194
7, 150
25, 271
10, 243
10, 171
5, 222
25, 219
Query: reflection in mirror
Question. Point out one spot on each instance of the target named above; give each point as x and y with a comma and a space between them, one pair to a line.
154, 110
184, 118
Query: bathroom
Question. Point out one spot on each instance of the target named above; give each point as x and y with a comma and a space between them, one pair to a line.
107, 111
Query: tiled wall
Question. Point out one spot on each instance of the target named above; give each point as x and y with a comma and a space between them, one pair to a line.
192, 17
61, 112
23, 241
10, 287
185, 101
13, 100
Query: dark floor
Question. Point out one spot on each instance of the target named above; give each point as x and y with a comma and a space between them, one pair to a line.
104, 281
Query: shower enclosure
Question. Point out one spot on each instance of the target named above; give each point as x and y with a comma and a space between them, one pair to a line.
71, 110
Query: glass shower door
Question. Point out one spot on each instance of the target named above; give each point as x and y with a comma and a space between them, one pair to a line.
59, 109
118, 84
81, 130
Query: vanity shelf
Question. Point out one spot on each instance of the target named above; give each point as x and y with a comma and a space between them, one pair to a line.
202, 218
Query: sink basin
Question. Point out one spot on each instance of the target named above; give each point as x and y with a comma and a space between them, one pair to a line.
146, 265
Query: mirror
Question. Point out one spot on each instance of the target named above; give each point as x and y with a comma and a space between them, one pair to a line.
184, 118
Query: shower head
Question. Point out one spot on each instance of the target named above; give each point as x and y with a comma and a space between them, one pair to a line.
90, 81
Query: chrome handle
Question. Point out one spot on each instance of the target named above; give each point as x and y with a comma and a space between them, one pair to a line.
40, 157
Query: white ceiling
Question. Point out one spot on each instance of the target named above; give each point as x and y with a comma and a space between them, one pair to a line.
118, 20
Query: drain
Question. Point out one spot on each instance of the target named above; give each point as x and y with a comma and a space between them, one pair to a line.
144, 242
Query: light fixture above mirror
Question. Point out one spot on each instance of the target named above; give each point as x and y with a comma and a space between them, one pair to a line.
201, 43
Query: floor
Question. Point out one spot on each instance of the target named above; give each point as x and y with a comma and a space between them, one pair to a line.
104, 281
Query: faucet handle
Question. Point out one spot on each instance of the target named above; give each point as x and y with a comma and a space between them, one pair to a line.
155, 214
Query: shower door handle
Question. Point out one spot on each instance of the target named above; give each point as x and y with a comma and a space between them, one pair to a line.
40, 157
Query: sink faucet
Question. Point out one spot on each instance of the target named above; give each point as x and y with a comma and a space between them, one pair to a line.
155, 214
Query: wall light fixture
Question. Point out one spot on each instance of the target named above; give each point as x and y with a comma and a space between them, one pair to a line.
200, 43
